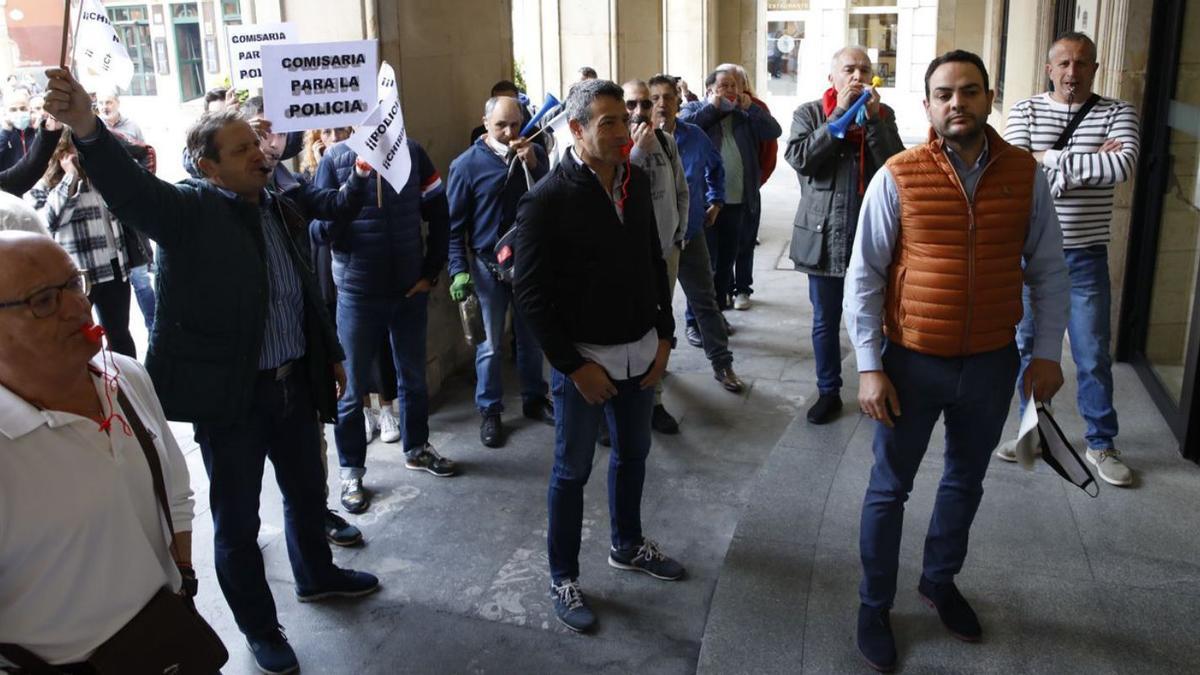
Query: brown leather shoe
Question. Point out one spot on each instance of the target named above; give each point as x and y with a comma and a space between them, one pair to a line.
729, 379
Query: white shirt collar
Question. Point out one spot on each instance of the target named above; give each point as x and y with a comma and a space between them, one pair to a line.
19, 417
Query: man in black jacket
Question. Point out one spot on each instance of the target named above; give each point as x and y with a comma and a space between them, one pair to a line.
241, 346
591, 280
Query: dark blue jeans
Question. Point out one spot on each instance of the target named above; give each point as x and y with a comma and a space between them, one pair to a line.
973, 394
723, 249
1090, 333
747, 238
825, 294
363, 323
143, 290
282, 425
575, 425
494, 299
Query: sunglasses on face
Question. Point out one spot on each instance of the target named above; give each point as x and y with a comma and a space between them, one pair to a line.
644, 104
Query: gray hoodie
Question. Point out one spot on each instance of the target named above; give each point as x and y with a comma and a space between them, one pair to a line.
668, 189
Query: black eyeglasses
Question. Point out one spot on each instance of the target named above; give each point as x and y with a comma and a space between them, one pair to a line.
644, 104
46, 302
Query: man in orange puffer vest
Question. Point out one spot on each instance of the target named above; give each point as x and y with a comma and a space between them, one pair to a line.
947, 234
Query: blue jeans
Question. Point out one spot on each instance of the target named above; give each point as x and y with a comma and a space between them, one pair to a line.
494, 299
825, 294
363, 323
723, 249
747, 238
282, 425
575, 425
143, 290
973, 394
1090, 333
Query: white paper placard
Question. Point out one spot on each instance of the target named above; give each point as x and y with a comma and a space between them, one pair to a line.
245, 44
319, 85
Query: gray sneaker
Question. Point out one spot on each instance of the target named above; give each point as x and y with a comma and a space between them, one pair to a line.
427, 459
1110, 467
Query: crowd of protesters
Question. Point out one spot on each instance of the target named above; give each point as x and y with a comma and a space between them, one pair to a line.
956, 266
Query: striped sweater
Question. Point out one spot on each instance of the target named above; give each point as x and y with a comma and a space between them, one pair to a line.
1082, 179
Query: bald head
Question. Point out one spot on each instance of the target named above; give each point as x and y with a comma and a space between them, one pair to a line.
503, 118
22, 255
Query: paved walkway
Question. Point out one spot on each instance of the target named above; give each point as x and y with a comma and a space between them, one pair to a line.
763, 510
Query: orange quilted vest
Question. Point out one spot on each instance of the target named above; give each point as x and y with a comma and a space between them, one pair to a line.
954, 287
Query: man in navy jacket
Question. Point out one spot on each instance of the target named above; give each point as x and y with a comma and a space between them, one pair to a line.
485, 184
384, 270
736, 127
241, 346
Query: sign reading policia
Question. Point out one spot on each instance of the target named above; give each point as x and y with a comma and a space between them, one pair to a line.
319, 85
245, 43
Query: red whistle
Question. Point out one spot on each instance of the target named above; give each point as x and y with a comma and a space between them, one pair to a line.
93, 333
626, 149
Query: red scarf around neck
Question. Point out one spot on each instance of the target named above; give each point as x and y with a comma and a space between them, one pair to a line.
855, 134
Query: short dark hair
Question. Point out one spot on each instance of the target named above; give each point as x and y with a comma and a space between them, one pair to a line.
202, 136
711, 80
588, 72
1074, 36
504, 85
583, 94
213, 95
663, 78
956, 56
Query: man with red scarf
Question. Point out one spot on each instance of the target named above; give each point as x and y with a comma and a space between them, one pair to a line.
833, 174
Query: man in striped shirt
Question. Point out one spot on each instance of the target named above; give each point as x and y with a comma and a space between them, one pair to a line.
1083, 173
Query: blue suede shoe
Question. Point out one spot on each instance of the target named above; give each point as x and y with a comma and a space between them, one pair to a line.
346, 584
272, 653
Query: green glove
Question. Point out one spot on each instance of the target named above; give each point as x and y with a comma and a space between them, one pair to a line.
460, 287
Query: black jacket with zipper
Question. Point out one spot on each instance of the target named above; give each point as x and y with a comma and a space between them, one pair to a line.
581, 274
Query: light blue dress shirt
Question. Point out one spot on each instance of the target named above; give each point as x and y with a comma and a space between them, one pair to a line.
878, 226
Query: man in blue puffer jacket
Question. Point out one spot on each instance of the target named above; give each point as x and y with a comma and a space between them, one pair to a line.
384, 272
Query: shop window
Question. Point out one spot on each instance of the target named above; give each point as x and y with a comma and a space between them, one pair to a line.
877, 32
132, 25
231, 12
784, 42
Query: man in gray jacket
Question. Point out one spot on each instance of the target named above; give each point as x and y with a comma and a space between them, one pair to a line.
833, 173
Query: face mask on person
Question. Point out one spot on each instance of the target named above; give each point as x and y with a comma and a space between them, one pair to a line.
725, 105
20, 119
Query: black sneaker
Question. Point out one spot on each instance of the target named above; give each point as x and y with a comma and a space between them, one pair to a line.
339, 532
875, 639
354, 496
952, 608
662, 422
602, 436
345, 584
272, 653
693, 336
570, 607
825, 409
541, 409
426, 459
491, 431
646, 558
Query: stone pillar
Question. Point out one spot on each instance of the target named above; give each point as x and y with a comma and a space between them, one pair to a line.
690, 39
638, 39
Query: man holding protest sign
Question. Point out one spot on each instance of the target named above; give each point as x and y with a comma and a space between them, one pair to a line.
384, 272
242, 347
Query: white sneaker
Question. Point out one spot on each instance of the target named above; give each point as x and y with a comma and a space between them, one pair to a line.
371, 420
389, 426
741, 302
1110, 467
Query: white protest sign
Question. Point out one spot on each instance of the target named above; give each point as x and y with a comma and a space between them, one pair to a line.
383, 143
319, 85
245, 43
101, 61
387, 81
